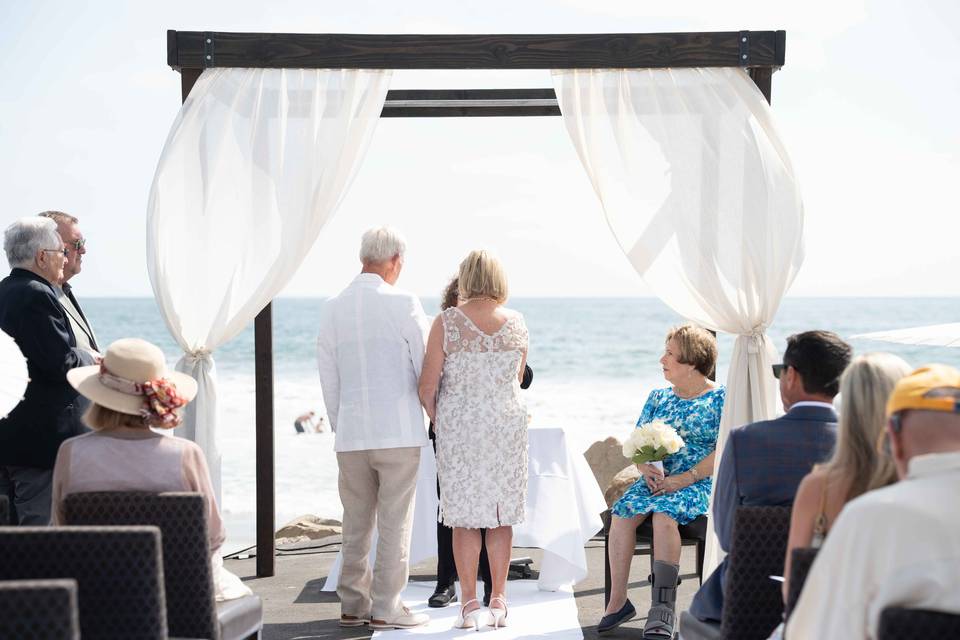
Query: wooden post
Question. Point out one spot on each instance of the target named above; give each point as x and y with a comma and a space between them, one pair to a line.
762, 77
263, 375
266, 492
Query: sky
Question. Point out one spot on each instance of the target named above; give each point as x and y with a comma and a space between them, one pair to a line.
866, 103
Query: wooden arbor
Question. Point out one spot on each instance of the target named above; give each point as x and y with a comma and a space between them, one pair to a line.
190, 52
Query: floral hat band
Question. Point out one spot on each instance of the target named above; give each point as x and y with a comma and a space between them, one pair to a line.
133, 378
161, 399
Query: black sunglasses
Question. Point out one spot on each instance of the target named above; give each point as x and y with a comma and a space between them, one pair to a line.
778, 370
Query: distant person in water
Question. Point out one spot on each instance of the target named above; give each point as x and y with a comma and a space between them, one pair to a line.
304, 423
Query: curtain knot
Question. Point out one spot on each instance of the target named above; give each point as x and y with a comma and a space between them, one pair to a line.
199, 354
755, 338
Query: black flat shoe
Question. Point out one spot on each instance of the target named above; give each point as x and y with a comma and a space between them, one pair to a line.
442, 597
614, 620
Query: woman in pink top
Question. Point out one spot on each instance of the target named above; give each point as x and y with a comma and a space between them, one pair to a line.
132, 397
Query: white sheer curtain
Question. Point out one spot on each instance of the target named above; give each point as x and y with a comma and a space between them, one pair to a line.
698, 189
256, 163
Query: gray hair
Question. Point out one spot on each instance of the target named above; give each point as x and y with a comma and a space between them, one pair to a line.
25, 237
381, 244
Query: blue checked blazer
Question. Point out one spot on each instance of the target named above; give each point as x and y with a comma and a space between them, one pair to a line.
762, 465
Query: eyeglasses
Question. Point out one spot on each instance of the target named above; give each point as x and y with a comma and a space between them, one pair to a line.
79, 244
896, 422
63, 251
778, 370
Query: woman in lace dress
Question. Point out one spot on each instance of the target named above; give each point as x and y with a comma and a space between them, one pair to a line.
470, 388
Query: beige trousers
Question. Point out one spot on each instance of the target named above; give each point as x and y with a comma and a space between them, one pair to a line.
377, 487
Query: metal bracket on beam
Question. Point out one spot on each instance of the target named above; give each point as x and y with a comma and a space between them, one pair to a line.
207, 49
743, 40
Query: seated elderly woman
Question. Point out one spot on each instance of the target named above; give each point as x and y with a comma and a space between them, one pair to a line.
132, 394
681, 493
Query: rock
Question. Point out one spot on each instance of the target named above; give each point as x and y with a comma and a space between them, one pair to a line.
606, 460
620, 483
308, 527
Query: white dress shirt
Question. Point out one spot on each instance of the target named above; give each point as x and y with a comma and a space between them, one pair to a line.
370, 353
896, 546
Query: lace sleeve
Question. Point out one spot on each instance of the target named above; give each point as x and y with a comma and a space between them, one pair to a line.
519, 335
453, 331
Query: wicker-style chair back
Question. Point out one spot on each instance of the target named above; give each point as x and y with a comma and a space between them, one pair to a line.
898, 622
182, 519
39, 610
118, 570
752, 602
800, 562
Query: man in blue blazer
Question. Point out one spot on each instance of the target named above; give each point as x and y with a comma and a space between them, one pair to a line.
32, 315
762, 463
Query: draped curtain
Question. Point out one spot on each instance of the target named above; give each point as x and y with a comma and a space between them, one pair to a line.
698, 189
255, 164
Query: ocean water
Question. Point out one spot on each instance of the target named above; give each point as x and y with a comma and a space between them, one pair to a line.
594, 361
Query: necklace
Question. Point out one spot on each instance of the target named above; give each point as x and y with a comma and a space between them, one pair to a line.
693, 394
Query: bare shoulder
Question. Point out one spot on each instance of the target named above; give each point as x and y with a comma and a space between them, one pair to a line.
812, 485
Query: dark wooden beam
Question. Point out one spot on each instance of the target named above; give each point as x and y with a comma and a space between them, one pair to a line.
447, 103
265, 459
200, 49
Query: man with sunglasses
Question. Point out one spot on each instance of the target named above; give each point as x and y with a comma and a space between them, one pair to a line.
75, 243
897, 546
30, 312
763, 463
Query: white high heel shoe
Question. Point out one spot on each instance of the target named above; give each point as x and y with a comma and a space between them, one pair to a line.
475, 618
498, 614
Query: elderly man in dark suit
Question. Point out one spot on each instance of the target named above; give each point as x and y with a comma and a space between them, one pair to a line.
32, 315
763, 462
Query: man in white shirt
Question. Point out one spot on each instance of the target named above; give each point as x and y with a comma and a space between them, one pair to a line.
898, 546
370, 353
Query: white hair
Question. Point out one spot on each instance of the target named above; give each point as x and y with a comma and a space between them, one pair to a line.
25, 237
381, 244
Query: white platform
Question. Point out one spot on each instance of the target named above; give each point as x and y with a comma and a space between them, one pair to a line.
533, 613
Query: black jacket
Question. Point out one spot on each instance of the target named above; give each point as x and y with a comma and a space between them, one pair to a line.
48, 415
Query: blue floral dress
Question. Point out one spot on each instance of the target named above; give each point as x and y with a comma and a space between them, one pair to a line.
698, 422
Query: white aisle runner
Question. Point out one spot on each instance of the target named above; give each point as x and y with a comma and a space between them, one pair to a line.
533, 614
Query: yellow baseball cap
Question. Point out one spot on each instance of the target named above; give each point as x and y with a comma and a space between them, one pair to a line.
934, 387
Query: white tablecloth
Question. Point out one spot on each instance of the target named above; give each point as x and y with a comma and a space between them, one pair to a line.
564, 503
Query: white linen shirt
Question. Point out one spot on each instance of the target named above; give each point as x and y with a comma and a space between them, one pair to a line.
370, 353
893, 547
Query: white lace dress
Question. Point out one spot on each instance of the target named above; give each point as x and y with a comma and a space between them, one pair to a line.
481, 424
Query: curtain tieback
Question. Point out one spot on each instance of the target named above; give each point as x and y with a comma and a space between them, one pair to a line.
755, 338
199, 354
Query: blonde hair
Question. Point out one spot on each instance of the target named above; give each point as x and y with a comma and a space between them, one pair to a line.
482, 276
103, 419
697, 346
865, 386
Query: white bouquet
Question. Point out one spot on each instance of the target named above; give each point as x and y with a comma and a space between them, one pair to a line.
652, 442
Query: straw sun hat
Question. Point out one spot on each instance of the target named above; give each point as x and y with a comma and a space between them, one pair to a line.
133, 379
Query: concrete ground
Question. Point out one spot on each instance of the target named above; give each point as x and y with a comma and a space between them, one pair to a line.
296, 609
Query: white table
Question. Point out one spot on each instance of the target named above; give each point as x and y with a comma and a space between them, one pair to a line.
564, 503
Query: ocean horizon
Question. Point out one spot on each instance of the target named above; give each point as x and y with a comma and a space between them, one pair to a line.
594, 360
